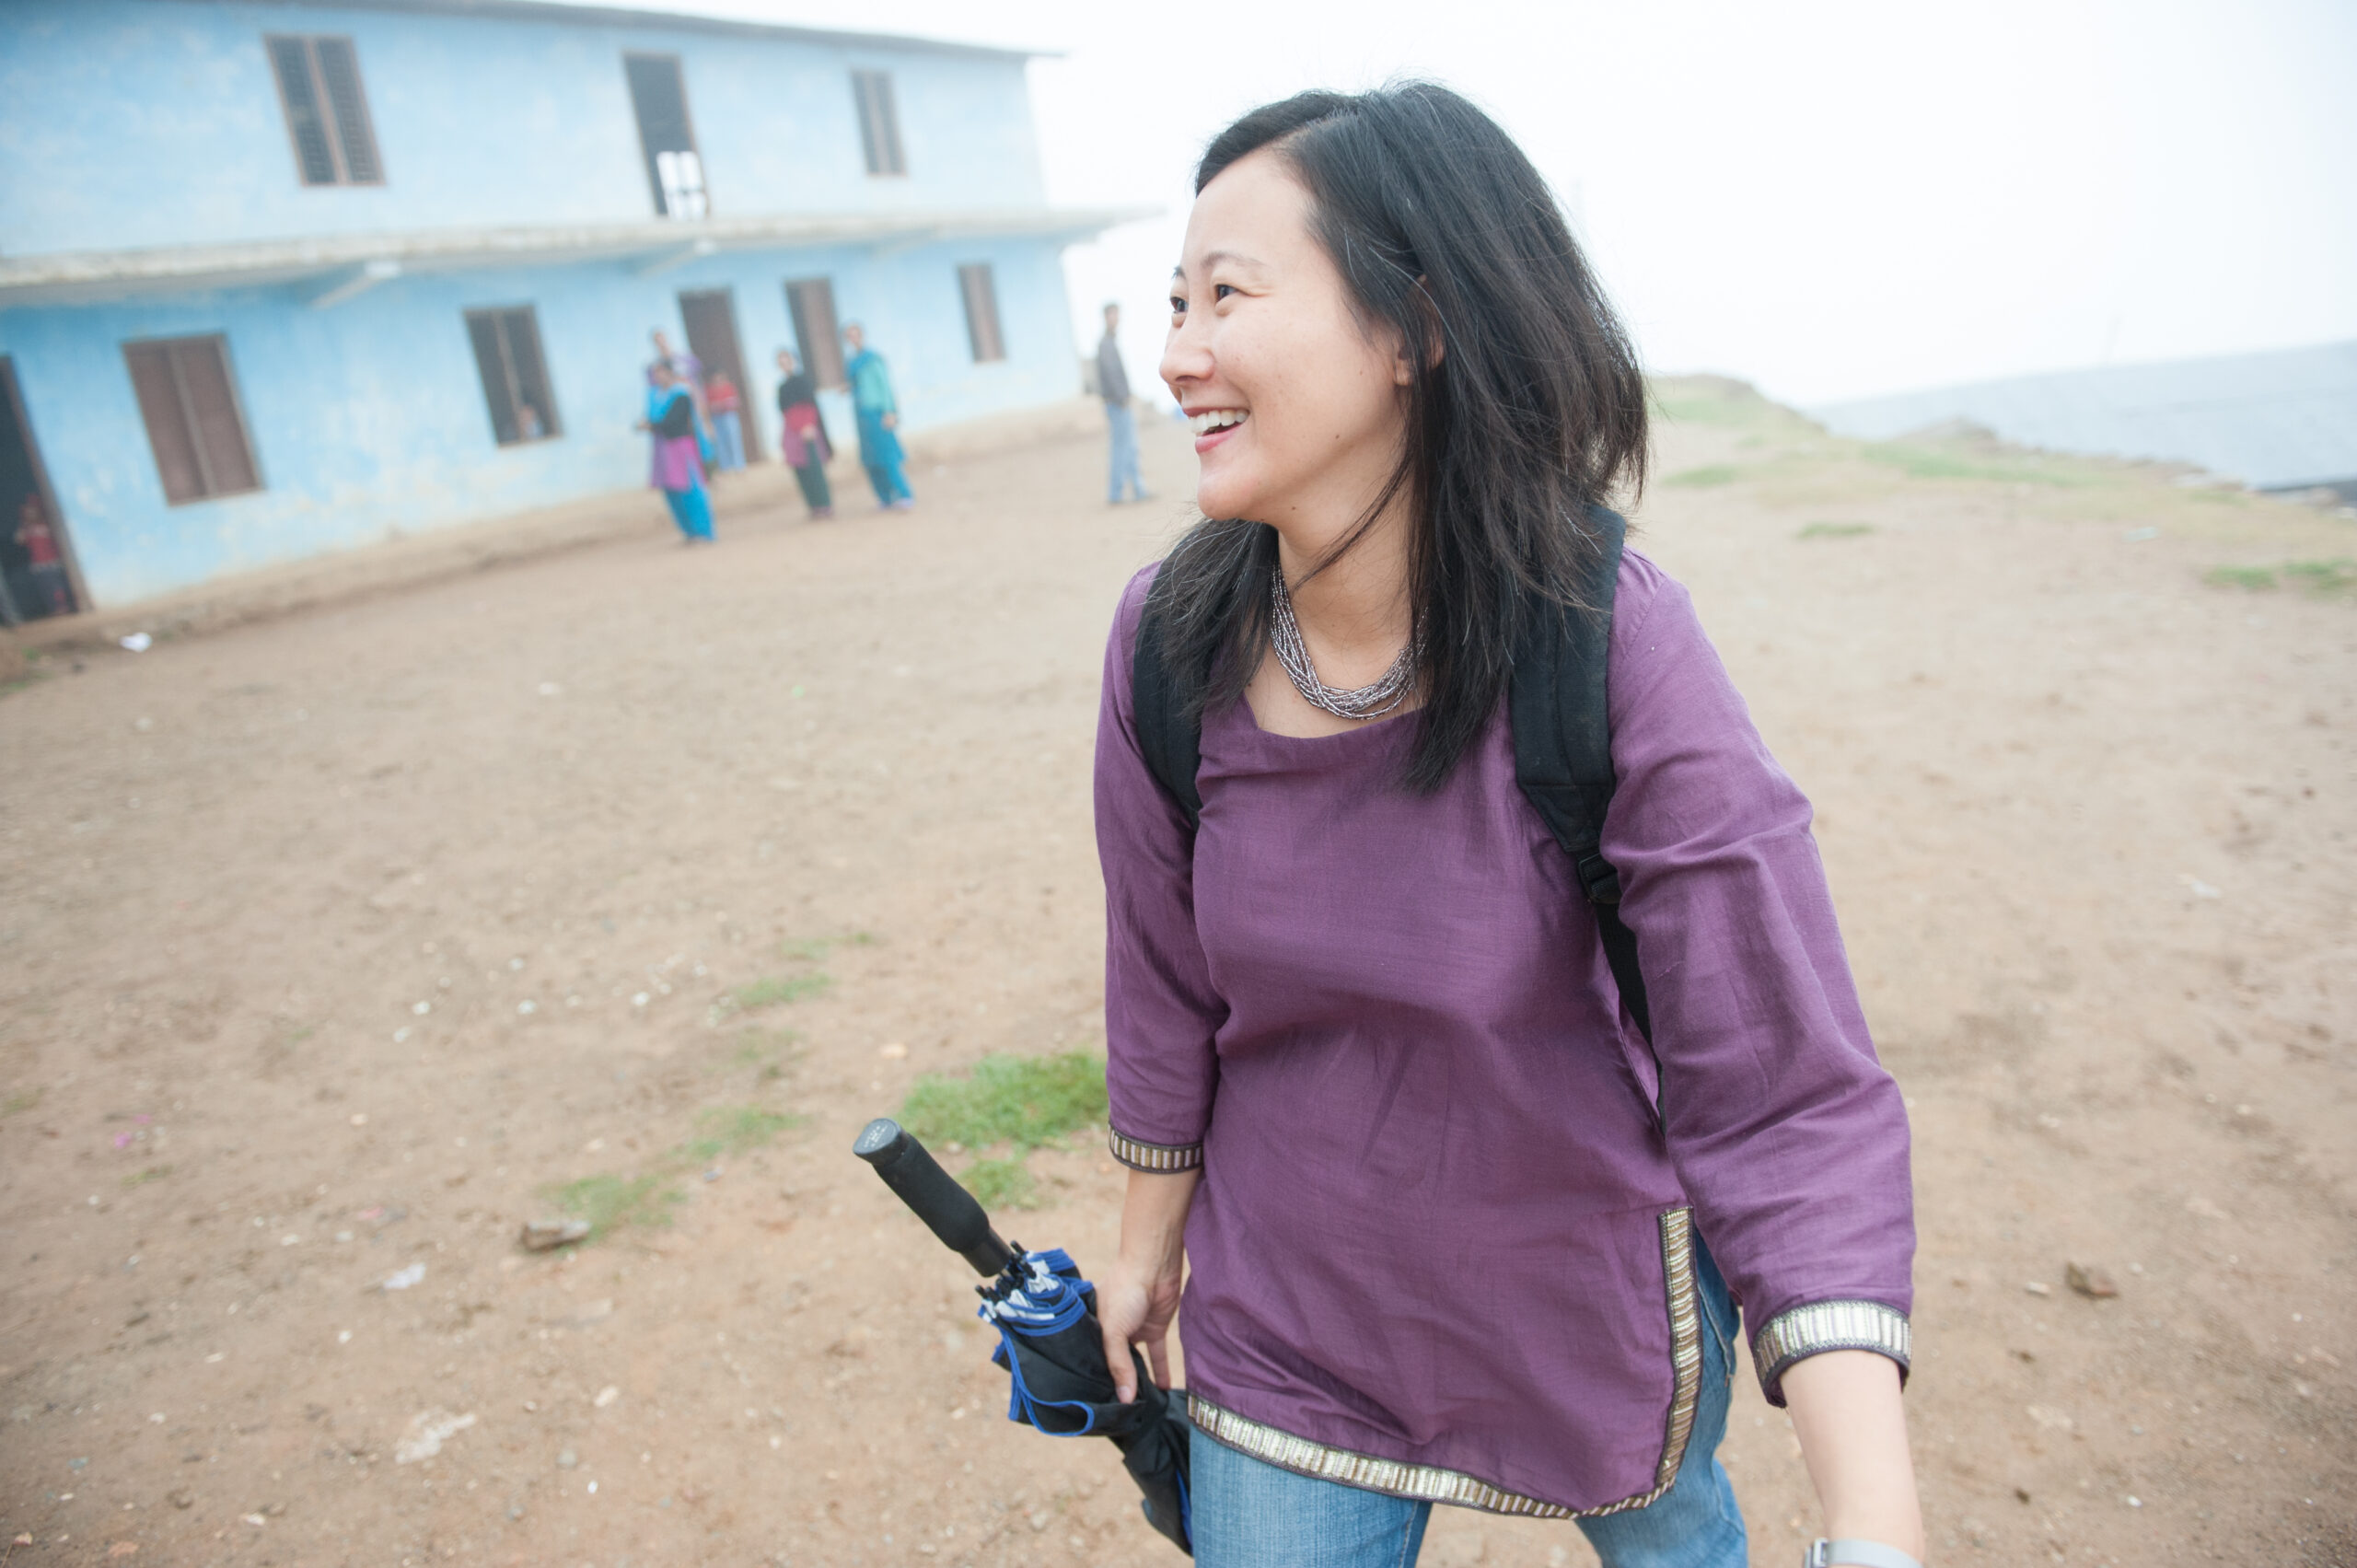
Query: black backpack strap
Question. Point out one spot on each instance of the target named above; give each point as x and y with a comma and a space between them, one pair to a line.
1563, 747
1173, 746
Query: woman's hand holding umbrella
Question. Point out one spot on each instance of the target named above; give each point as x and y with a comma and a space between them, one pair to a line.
1058, 1355
1136, 1302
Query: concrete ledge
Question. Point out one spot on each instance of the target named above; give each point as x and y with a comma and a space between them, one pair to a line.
345, 575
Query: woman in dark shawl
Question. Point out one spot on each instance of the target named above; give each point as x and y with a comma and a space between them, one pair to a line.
803, 439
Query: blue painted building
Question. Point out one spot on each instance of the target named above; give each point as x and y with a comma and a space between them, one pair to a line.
282, 276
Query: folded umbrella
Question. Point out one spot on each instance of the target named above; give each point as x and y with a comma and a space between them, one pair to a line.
1049, 1340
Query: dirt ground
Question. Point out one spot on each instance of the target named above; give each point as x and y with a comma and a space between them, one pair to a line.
333, 945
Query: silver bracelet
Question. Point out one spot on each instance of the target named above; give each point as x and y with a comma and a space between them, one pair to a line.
1855, 1554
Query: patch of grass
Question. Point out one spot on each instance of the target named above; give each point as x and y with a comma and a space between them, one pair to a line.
731, 1130
141, 1178
810, 949
2321, 577
1001, 1184
23, 1099
2337, 576
1708, 400
763, 1049
754, 1047
770, 990
1929, 462
1835, 530
1704, 410
1709, 474
612, 1202
1021, 1100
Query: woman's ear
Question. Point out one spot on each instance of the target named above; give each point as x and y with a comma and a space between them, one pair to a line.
1403, 365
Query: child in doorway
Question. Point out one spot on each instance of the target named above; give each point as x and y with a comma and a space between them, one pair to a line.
722, 401
43, 565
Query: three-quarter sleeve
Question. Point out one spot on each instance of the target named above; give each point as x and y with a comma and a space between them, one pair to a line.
1161, 1012
1788, 1136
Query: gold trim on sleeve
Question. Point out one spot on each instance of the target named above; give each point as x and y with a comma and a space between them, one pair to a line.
1153, 1156
1430, 1483
1799, 1332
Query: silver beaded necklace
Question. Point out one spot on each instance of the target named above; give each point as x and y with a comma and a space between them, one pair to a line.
1365, 702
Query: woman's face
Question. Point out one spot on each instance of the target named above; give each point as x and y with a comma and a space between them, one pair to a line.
1295, 403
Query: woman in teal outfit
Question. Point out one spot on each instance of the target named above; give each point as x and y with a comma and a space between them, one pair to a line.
678, 467
878, 415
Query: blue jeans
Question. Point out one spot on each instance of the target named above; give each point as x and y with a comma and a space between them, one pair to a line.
1123, 423
1248, 1514
728, 438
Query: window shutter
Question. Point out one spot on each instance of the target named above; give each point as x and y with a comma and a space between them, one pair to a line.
291, 58
981, 312
811, 302
879, 126
659, 97
862, 93
888, 113
167, 433
340, 75
490, 364
523, 329
515, 377
227, 463
193, 425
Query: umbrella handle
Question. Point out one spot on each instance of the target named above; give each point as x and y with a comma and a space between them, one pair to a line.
947, 1208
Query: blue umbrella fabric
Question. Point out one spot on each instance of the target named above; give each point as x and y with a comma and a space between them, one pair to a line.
1049, 1340
1058, 1382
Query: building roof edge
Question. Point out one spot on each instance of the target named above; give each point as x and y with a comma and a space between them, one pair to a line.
588, 13
346, 262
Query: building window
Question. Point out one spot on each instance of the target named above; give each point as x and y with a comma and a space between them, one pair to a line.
318, 85
818, 343
194, 426
515, 379
981, 312
879, 122
673, 170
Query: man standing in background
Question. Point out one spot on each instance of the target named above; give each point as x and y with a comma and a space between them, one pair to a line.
1113, 385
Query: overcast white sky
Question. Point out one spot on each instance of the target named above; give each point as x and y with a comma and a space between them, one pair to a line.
1830, 198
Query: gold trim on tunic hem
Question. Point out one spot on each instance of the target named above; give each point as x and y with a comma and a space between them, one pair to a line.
1432, 1484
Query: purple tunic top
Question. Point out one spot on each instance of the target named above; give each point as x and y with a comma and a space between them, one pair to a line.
1430, 1225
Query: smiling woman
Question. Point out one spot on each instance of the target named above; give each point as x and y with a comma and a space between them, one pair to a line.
1381, 315
1455, 1153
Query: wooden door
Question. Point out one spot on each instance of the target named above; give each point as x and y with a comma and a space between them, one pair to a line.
709, 315
26, 594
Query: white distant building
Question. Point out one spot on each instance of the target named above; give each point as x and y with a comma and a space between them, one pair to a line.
2280, 421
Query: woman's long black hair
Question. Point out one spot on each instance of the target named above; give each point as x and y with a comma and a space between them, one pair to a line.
1527, 404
